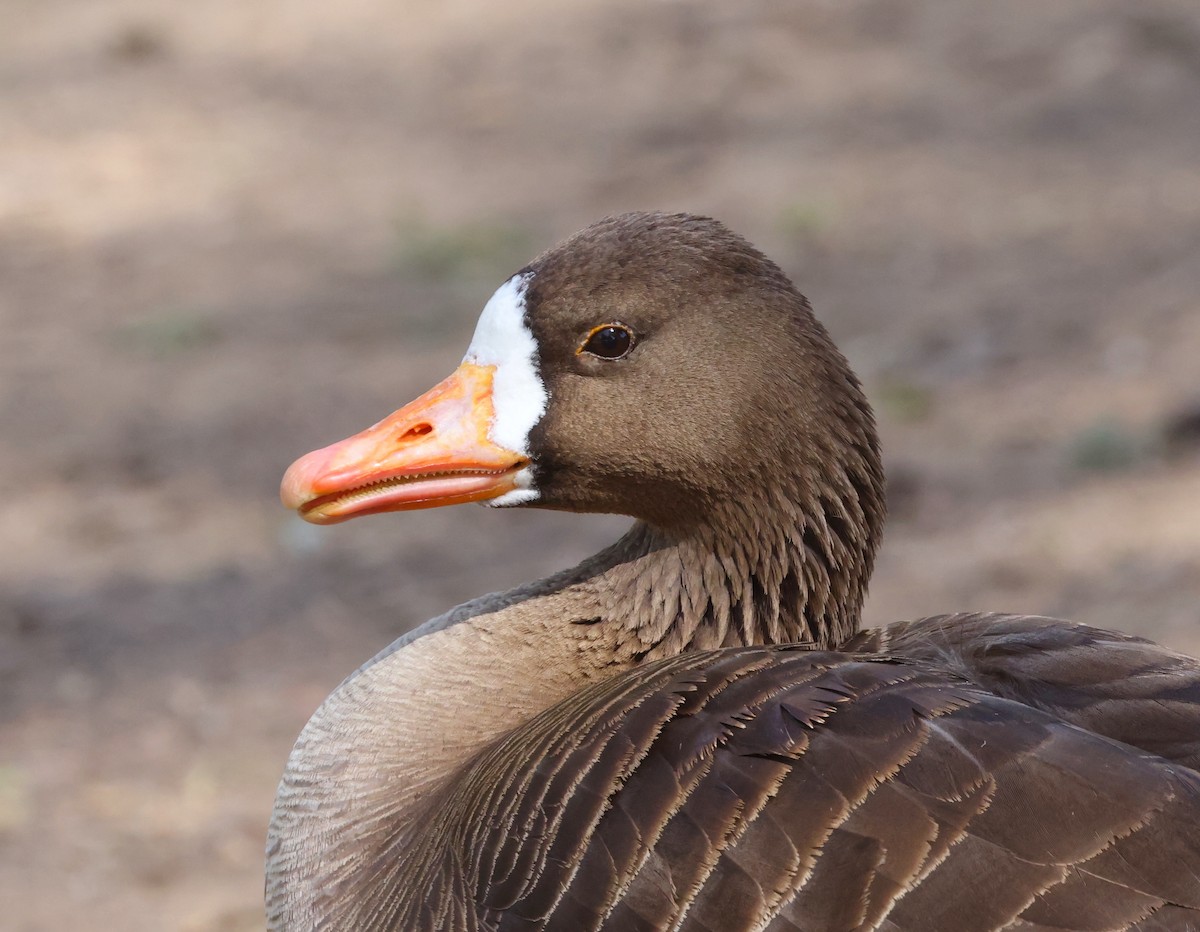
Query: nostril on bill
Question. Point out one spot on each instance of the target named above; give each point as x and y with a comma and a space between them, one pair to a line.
417, 430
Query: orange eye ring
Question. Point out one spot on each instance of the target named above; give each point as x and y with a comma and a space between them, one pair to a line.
609, 341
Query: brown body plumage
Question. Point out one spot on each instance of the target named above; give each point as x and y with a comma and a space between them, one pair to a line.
687, 731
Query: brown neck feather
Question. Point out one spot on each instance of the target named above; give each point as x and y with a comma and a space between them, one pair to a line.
740, 579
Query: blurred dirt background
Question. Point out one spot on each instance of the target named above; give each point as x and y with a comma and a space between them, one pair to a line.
234, 230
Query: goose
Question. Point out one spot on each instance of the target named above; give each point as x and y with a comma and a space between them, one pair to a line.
691, 730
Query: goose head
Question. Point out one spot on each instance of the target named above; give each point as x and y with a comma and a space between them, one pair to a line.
652, 365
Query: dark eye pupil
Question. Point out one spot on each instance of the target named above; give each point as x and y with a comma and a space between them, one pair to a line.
609, 342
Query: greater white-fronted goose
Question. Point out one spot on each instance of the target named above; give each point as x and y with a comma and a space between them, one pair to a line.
689, 730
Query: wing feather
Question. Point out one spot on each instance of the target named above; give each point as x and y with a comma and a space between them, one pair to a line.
937, 787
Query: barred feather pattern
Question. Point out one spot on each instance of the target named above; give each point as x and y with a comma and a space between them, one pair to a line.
780, 788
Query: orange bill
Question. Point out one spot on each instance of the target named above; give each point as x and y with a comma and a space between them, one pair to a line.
433, 451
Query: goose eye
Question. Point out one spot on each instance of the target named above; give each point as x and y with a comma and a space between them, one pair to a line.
608, 341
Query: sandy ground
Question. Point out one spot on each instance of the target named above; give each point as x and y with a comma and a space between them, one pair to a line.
232, 231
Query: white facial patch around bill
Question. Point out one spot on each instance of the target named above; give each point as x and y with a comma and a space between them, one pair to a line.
502, 339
